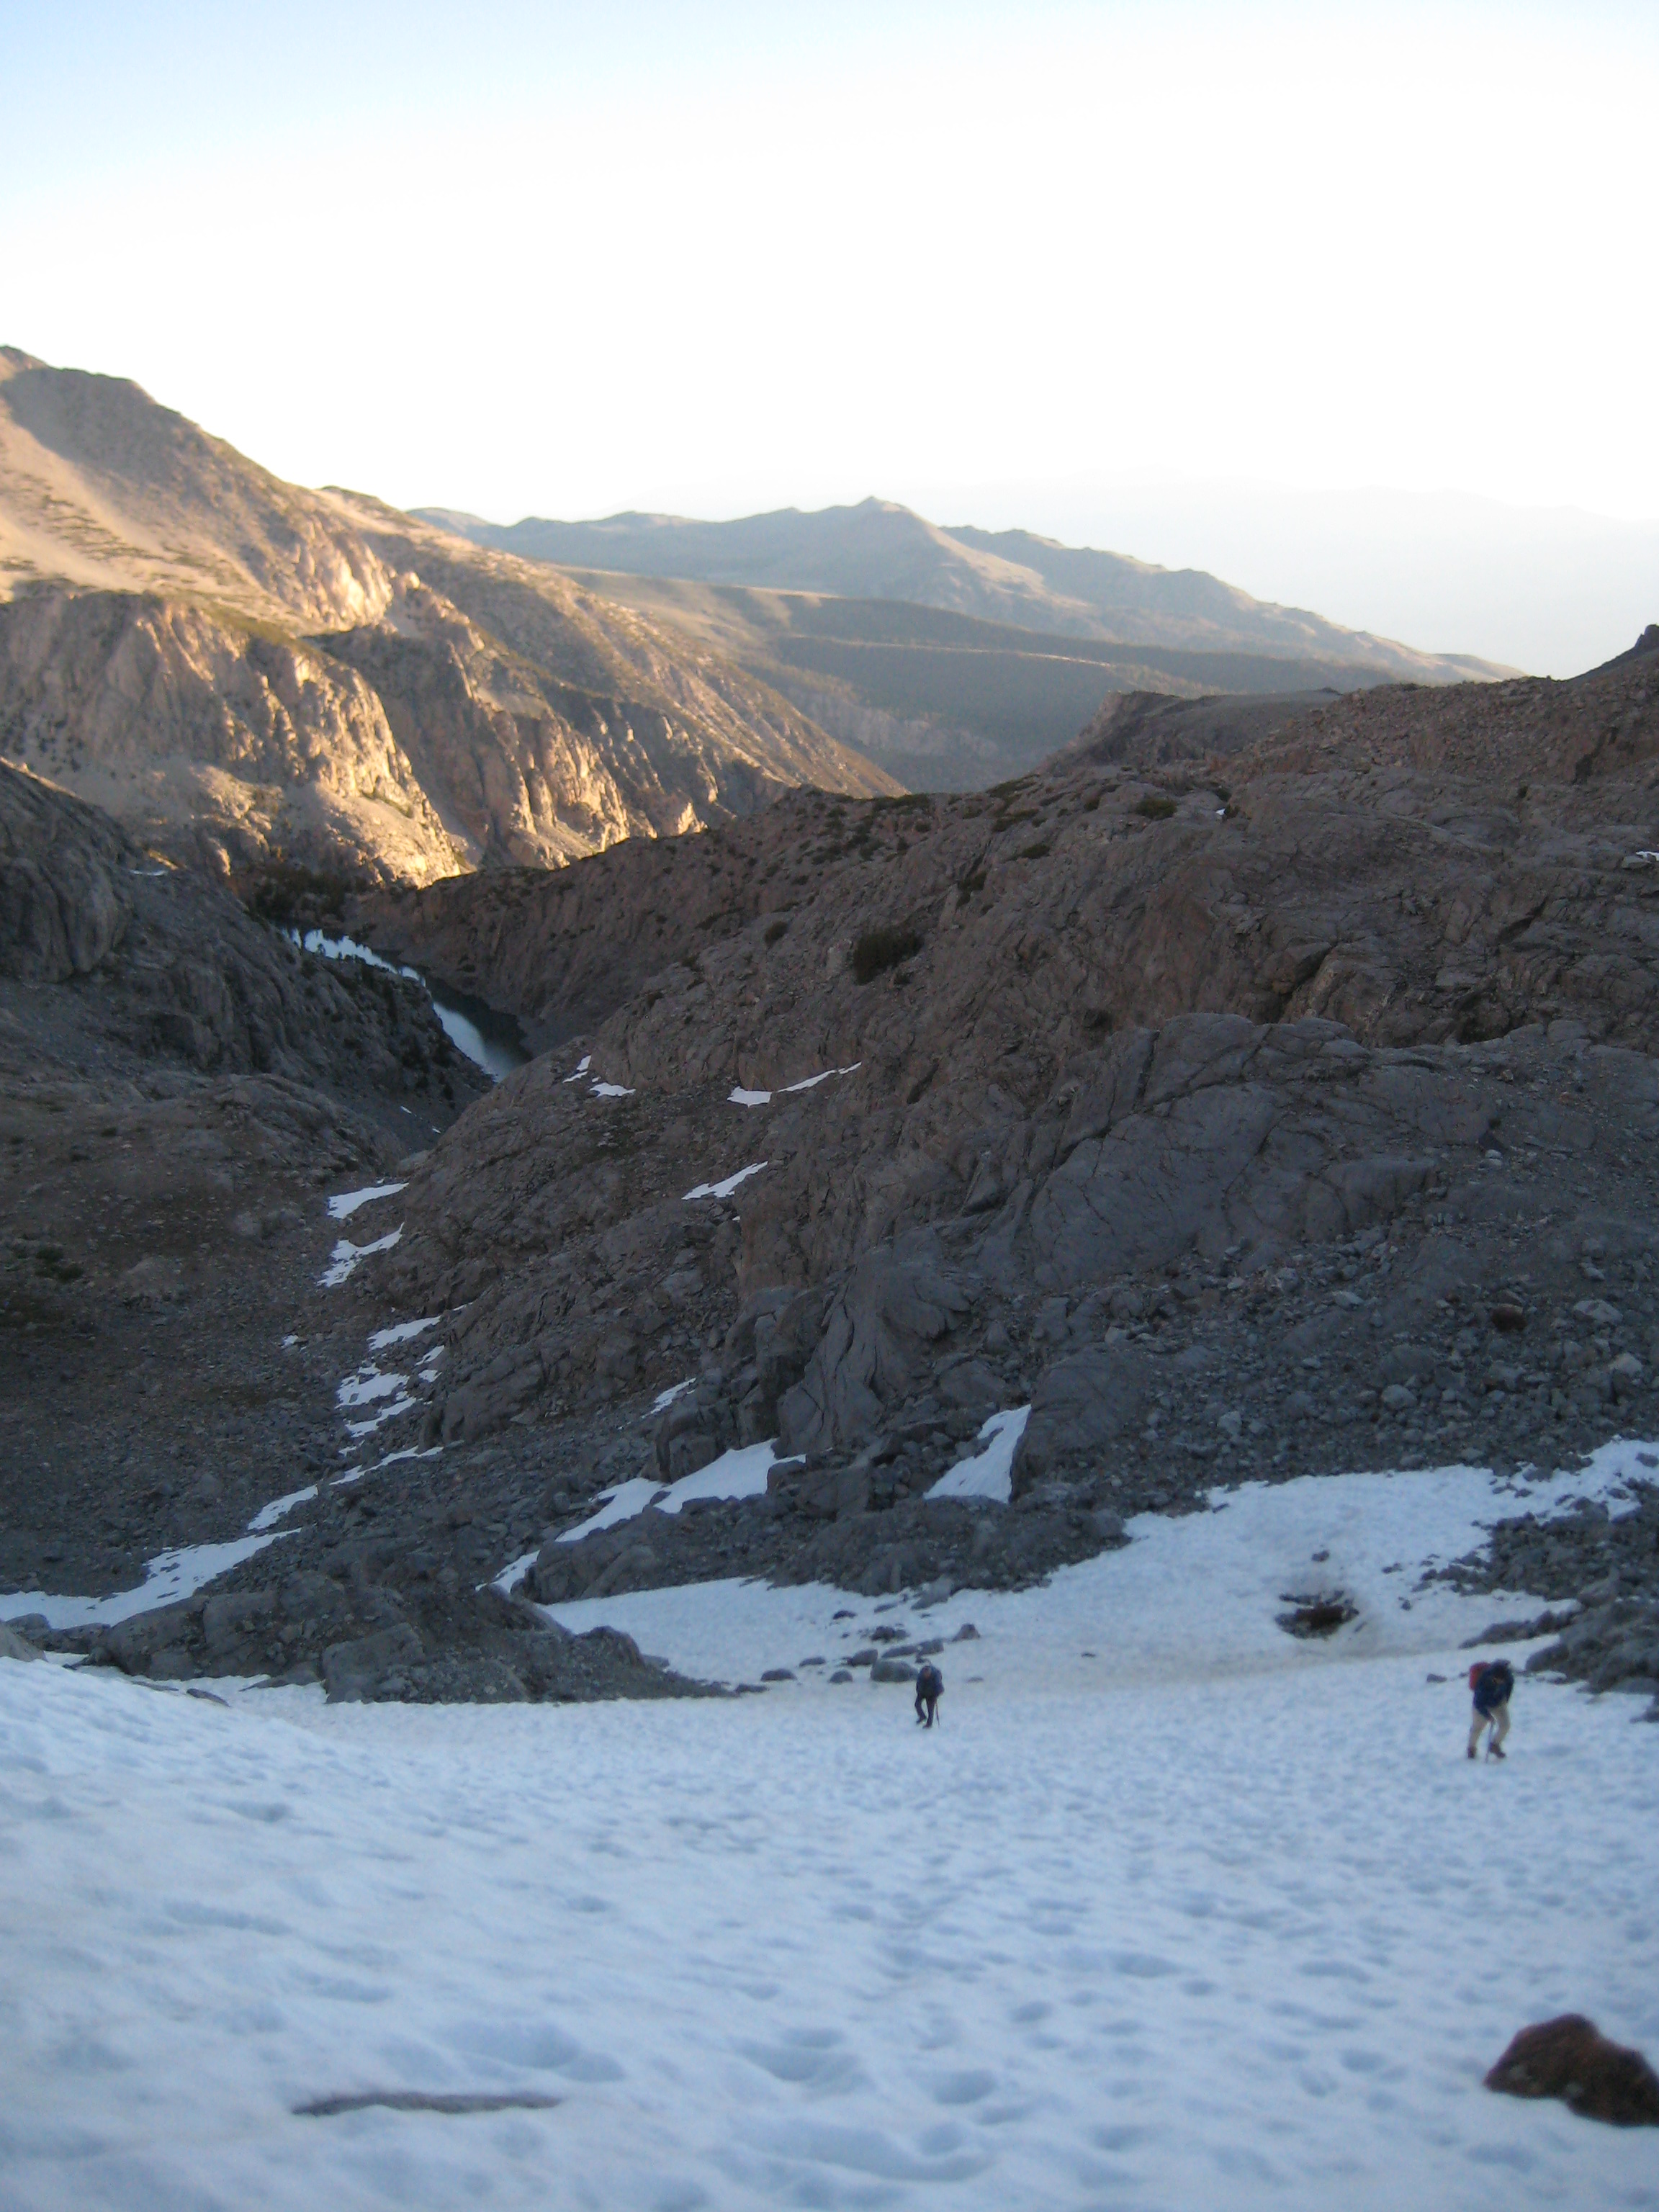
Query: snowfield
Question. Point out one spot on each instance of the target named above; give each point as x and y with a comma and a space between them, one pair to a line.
1172, 1912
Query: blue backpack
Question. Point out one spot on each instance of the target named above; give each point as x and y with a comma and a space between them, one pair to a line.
1492, 1685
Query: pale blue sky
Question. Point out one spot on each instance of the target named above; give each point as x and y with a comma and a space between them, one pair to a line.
722, 257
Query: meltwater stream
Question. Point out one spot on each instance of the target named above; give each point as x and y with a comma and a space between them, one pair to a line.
490, 1038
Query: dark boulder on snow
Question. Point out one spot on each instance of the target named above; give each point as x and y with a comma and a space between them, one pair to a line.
1572, 2059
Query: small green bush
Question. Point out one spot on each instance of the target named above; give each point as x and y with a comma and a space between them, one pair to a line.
1154, 809
775, 930
968, 885
1035, 852
878, 949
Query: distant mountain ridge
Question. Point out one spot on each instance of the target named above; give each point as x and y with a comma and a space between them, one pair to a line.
244, 671
878, 550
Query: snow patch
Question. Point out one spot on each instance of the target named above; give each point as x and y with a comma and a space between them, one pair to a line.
582, 1066
169, 1577
401, 1332
621, 1504
367, 1384
379, 1420
741, 1097
510, 1574
989, 1474
810, 1081
740, 1473
611, 1091
724, 1189
344, 1203
279, 1509
409, 1451
345, 1257
665, 1399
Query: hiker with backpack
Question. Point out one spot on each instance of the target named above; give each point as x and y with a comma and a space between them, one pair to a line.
1492, 1681
929, 1688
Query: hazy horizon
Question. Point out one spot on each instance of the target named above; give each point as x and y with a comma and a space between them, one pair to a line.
1552, 591
1349, 311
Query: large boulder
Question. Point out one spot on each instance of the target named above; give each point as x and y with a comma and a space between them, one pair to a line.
14, 1646
1086, 1406
877, 1339
367, 1667
1570, 2058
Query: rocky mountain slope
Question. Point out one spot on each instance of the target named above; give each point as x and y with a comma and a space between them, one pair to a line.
244, 671
880, 550
179, 1086
1150, 1123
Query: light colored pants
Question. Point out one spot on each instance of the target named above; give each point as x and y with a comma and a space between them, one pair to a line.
1498, 1723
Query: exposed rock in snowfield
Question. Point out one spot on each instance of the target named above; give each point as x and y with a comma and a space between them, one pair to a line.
1570, 2058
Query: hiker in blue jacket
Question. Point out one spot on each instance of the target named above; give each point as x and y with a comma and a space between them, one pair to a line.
929, 1688
1492, 1681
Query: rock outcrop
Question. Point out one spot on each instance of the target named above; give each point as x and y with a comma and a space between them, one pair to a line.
1572, 2059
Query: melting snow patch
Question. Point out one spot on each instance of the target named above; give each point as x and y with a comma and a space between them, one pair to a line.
611, 1091
582, 1066
169, 1577
621, 1503
738, 1474
400, 1332
367, 1384
990, 1472
344, 1203
810, 1081
279, 1508
509, 1575
343, 1259
741, 1097
379, 1420
666, 1398
725, 1189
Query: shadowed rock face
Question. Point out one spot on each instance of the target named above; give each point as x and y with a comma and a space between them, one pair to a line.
179, 1085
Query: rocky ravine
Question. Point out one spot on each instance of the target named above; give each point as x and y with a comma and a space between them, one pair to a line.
178, 1088
1286, 1115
